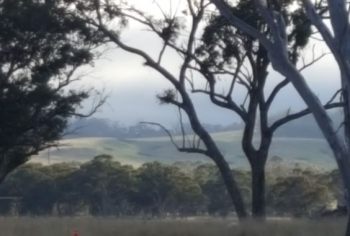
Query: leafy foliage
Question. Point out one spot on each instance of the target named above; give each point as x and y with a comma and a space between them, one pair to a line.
40, 49
223, 45
104, 187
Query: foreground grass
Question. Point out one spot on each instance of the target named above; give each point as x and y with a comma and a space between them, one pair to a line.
111, 227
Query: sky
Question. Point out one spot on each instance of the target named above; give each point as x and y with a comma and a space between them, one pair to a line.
132, 87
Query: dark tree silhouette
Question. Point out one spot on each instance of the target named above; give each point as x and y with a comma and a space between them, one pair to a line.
40, 49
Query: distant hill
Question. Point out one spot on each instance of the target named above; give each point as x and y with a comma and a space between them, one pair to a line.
304, 127
139, 150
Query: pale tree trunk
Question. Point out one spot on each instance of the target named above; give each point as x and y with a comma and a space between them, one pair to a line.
339, 147
340, 48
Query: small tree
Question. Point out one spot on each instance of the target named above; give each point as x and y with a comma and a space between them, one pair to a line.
40, 49
313, 193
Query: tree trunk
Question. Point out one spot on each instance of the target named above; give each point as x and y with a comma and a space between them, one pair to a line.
232, 187
257, 161
279, 58
347, 232
258, 193
214, 153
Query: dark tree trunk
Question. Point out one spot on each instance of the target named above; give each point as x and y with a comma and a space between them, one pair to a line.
232, 187
257, 160
347, 232
258, 193
214, 153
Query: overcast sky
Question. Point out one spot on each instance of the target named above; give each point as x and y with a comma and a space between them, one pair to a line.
133, 87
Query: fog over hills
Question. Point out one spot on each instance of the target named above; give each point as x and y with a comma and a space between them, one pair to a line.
299, 141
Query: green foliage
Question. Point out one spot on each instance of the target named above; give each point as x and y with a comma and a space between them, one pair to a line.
104, 187
40, 48
223, 45
301, 193
165, 187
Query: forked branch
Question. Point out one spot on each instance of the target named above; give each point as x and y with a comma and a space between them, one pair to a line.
193, 149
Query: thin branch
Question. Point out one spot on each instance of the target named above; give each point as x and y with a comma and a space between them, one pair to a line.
190, 6
98, 7
244, 102
340, 126
300, 114
286, 81
165, 130
227, 103
161, 53
275, 91
95, 107
180, 149
238, 68
334, 96
182, 128
194, 150
190, 45
313, 61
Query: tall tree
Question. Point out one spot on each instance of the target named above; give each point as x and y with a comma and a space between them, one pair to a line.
40, 49
229, 52
338, 42
99, 13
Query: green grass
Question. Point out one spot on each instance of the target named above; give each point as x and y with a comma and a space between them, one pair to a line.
138, 151
202, 227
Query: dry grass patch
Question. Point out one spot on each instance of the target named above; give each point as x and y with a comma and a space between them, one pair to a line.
113, 227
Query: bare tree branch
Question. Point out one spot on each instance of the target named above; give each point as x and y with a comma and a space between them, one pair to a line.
286, 81
238, 69
95, 107
300, 114
227, 103
165, 130
275, 91
313, 60
190, 44
334, 96
180, 149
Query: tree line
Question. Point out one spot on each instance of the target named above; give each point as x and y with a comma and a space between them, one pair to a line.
104, 187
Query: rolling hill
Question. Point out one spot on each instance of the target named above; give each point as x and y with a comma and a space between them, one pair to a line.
138, 151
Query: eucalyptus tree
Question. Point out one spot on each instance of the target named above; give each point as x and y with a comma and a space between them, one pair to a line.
40, 49
336, 36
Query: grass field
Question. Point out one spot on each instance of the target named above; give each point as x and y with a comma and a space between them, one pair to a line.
112, 227
138, 151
